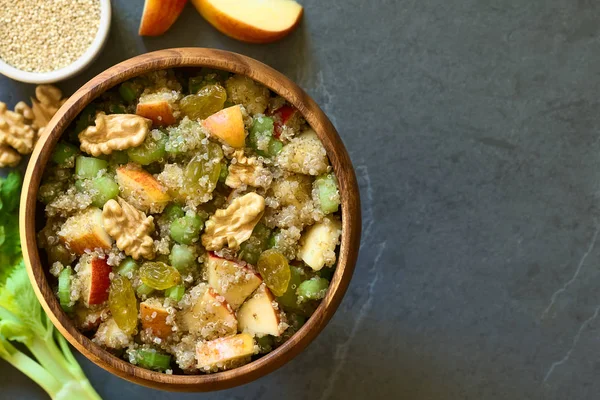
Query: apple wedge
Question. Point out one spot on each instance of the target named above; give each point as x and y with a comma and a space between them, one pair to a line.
94, 274
154, 317
318, 243
231, 280
253, 21
159, 15
260, 315
210, 316
158, 107
142, 190
216, 353
227, 125
85, 231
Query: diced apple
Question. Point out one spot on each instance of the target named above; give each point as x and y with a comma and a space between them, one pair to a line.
318, 243
227, 125
159, 111
281, 116
231, 280
94, 274
215, 353
110, 335
159, 15
154, 317
85, 231
254, 21
142, 190
210, 316
259, 315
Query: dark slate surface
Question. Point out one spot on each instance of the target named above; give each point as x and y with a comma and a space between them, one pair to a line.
473, 126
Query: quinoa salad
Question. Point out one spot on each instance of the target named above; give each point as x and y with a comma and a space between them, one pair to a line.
192, 221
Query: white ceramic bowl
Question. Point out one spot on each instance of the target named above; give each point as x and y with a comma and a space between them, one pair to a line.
66, 72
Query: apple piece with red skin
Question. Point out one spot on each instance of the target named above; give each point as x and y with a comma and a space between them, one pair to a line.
259, 314
280, 117
159, 15
253, 21
216, 352
85, 231
227, 125
94, 273
232, 280
210, 316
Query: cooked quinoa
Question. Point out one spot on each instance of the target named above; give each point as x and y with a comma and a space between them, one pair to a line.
206, 244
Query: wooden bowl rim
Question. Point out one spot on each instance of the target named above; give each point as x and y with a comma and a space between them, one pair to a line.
278, 83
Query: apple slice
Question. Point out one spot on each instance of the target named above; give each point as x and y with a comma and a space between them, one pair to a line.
210, 316
253, 21
215, 353
94, 274
142, 190
260, 314
85, 231
231, 280
159, 15
154, 317
158, 107
318, 243
227, 125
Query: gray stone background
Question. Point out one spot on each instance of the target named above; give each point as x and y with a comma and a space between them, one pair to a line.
473, 127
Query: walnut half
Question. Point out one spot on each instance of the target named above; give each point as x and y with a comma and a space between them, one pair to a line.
114, 132
234, 224
247, 171
130, 228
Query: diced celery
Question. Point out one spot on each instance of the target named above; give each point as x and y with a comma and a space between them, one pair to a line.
149, 151
88, 167
119, 157
327, 192
128, 92
105, 189
275, 147
312, 289
144, 290
176, 292
182, 257
173, 211
290, 299
224, 172
64, 289
127, 267
152, 359
63, 152
186, 230
258, 242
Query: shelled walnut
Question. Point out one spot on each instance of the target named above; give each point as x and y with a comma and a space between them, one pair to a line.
114, 132
234, 224
130, 228
19, 129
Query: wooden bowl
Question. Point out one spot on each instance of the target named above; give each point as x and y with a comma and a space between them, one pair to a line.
193, 57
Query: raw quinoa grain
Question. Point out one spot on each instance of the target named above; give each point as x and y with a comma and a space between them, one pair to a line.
46, 35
